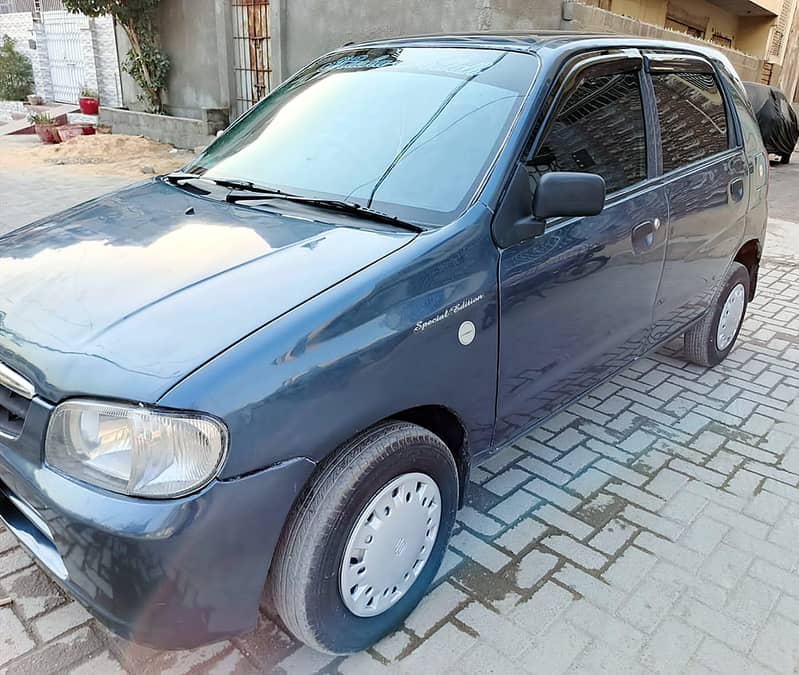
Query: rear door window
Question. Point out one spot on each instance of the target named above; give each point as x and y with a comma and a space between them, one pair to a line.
598, 128
692, 116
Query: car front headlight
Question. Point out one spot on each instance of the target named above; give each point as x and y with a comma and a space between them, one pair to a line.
134, 450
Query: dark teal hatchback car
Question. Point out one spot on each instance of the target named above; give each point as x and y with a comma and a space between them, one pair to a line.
276, 367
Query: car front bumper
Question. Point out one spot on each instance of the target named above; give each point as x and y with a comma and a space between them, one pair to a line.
170, 574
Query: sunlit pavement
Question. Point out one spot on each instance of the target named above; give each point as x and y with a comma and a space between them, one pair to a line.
652, 527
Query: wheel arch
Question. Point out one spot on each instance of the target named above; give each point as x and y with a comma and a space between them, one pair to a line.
445, 424
749, 256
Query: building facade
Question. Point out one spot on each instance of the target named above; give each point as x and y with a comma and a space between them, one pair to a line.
67, 51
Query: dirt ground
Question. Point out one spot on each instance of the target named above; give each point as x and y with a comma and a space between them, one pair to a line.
100, 154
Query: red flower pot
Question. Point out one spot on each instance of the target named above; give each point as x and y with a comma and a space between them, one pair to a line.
47, 133
88, 106
88, 129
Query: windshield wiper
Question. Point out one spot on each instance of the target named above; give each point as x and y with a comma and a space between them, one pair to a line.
350, 208
179, 177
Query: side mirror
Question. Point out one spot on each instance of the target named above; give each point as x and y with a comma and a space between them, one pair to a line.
568, 194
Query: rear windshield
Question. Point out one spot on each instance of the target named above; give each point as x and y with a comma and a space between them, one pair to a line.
408, 131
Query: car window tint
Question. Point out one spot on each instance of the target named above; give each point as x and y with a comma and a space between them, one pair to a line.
599, 128
693, 122
749, 127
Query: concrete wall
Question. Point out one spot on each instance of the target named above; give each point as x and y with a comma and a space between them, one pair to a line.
182, 132
195, 34
595, 19
304, 29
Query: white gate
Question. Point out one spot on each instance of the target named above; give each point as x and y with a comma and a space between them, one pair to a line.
62, 31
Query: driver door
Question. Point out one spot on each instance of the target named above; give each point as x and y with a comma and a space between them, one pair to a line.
576, 302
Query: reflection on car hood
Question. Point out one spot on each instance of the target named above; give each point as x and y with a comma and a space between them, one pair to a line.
126, 294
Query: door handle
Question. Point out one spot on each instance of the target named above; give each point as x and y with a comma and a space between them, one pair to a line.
737, 189
644, 235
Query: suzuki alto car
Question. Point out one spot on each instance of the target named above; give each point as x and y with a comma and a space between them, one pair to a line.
275, 368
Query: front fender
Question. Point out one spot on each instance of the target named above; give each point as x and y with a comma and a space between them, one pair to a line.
381, 342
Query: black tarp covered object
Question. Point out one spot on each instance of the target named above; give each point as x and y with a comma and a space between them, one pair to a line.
776, 118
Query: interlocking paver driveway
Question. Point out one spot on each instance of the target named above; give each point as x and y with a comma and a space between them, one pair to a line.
651, 527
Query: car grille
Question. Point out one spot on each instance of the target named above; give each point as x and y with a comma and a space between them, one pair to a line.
15, 400
13, 409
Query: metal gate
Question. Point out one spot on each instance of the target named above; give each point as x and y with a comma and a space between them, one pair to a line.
251, 66
62, 31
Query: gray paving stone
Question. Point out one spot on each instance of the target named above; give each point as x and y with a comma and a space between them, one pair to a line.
629, 568
508, 638
722, 659
533, 567
435, 607
777, 645
550, 494
671, 647
576, 460
514, 506
483, 659
575, 552
557, 649
613, 536
726, 565
666, 550
14, 640
563, 521
751, 601
479, 551
666, 483
605, 627
543, 609
438, 652
591, 588
649, 605
704, 535
520, 536
715, 623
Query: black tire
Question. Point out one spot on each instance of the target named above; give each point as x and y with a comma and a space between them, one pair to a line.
785, 159
305, 571
700, 340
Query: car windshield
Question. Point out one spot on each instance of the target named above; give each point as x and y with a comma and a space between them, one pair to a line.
410, 132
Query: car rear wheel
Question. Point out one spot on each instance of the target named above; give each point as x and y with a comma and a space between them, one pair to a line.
366, 539
785, 159
708, 342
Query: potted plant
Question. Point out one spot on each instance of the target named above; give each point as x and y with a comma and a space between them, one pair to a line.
89, 101
45, 127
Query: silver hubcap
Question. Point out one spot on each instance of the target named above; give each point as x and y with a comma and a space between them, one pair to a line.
390, 544
731, 315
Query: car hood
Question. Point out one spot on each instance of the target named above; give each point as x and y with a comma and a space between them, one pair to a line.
125, 295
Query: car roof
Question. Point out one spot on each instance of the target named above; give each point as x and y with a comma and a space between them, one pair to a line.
563, 42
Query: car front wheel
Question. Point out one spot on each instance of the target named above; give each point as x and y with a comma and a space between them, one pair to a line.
708, 342
366, 539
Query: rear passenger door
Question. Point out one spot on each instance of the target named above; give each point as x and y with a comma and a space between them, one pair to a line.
706, 179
